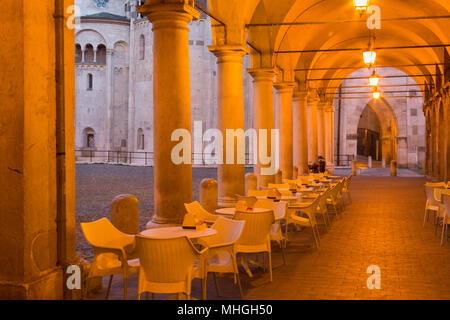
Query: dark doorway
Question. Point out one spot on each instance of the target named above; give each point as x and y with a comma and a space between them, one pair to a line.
369, 132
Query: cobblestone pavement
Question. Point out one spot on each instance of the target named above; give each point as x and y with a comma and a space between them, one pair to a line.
383, 227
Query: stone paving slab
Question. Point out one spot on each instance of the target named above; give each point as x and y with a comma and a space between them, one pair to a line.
383, 227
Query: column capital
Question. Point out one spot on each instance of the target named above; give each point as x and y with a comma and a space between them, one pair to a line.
300, 95
169, 12
229, 51
329, 109
262, 74
109, 52
285, 86
322, 105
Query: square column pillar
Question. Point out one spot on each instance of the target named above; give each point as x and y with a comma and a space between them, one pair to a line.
321, 128
230, 118
284, 122
312, 128
329, 137
301, 132
172, 106
263, 116
31, 170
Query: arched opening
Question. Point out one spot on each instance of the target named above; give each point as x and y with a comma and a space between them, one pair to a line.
89, 138
78, 53
140, 139
369, 134
89, 53
90, 82
101, 54
142, 47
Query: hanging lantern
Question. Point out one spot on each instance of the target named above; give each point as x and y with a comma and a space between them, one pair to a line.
373, 80
369, 57
361, 5
376, 94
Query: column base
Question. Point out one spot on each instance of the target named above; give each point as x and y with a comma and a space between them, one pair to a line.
47, 287
226, 202
330, 168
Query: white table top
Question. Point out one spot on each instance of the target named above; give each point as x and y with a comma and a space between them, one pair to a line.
176, 232
232, 211
282, 198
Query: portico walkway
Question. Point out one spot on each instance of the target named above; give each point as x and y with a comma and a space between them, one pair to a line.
382, 227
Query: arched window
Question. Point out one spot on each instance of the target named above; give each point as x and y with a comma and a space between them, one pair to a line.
140, 139
90, 82
101, 54
78, 53
89, 53
89, 137
142, 47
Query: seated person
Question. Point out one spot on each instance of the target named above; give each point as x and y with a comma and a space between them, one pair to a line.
322, 164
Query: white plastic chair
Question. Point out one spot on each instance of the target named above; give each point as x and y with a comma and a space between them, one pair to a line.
201, 213
310, 210
258, 193
255, 237
249, 200
432, 203
167, 265
441, 214
221, 254
446, 217
345, 189
111, 248
279, 211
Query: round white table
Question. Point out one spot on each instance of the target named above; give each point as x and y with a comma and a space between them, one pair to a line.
176, 232
232, 211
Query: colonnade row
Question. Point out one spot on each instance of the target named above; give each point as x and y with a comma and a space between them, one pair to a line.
304, 121
437, 117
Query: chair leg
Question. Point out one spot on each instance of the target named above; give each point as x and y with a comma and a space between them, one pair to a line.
125, 288
204, 287
283, 251
216, 281
425, 217
315, 237
236, 275
109, 287
270, 265
443, 232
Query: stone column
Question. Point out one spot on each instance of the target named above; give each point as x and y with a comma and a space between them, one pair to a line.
32, 173
95, 55
301, 132
312, 128
230, 116
435, 142
329, 137
321, 128
284, 122
108, 92
172, 106
263, 116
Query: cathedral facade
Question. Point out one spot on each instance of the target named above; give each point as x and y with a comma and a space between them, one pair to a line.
114, 85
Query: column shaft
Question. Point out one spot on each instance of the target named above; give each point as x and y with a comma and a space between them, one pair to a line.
312, 130
329, 136
172, 107
230, 113
284, 123
263, 116
321, 128
301, 132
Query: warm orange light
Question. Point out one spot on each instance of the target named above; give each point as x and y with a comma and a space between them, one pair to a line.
374, 80
369, 57
376, 95
361, 5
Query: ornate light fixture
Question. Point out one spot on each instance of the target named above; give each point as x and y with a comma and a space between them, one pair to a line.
373, 80
361, 6
376, 94
369, 55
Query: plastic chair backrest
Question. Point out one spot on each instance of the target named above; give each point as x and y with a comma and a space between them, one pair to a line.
323, 201
278, 186
228, 232
431, 196
102, 233
257, 227
279, 208
166, 260
257, 193
446, 201
249, 200
197, 209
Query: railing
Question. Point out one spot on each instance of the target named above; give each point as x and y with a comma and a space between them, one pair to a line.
344, 160
141, 157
